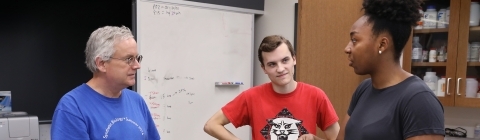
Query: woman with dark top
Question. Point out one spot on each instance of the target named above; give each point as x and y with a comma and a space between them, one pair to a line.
393, 104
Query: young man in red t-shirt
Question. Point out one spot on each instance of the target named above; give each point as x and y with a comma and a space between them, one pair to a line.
282, 109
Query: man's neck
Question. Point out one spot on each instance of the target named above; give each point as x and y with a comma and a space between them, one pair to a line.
101, 86
286, 89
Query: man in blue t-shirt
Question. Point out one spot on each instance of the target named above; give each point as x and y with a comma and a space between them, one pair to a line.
103, 108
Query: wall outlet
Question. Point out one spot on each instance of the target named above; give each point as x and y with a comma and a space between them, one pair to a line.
44, 131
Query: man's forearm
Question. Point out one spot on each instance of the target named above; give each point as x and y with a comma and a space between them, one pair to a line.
331, 133
220, 132
318, 138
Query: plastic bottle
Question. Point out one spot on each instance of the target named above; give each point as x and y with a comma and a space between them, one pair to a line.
441, 87
441, 57
471, 88
417, 50
475, 46
441, 18
474, 50
447, 17
476, 132
425, 56
468, 52
474, 13
432, 55
431, 80
444, 48
430, 18
420, 23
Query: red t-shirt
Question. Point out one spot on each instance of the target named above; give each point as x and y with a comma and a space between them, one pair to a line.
288, 116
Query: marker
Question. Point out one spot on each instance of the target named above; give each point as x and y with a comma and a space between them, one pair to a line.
229, 83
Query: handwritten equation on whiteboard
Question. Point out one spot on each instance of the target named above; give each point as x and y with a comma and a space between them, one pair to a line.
168, 10
163, 101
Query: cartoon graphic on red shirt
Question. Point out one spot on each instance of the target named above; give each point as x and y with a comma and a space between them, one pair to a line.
283, 127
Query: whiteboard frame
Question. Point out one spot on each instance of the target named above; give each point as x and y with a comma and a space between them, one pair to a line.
253, 53
207, 5
197, 5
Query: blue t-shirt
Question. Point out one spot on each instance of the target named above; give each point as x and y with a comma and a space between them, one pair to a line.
84, 114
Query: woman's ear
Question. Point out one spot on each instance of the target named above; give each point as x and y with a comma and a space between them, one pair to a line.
383, 44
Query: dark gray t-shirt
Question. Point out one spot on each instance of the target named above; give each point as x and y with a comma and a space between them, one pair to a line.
395, 113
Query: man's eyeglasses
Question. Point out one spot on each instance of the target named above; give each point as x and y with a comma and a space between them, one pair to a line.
130, 60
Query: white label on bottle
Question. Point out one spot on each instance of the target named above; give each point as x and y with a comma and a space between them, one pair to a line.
476, 133
443, 87
474, 53
441, 20
425, 55
440, 58
432, 57
430, 20
431, 85
447, 17
417, 53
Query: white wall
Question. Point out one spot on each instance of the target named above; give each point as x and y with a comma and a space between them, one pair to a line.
278, 18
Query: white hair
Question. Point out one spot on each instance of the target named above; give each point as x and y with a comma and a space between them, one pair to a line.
101, 44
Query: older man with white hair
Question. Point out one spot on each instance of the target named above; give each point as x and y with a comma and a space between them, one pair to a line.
103, 108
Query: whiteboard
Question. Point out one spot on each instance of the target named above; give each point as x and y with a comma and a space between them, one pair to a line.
186, 49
